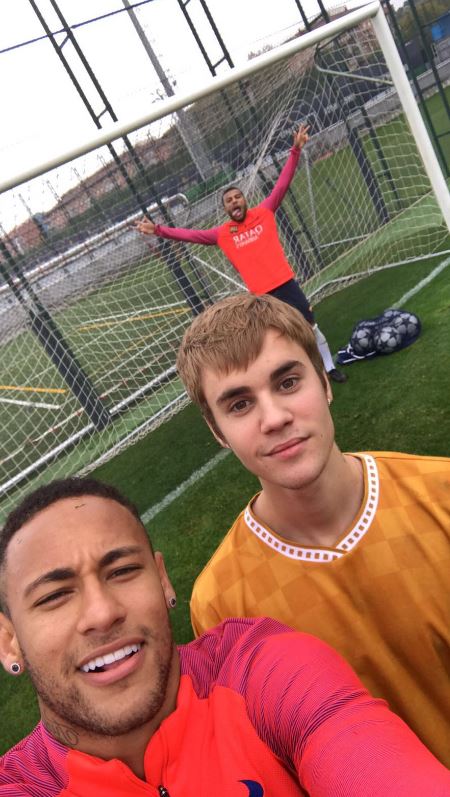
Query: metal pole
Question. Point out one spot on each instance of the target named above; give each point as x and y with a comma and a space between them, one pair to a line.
401, 46
430, 58
412, 113
188, 129
51, 339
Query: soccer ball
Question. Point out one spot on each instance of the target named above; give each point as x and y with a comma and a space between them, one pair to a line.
362, 340
387, 339
389, 315
407, 324
399, 323
410, 323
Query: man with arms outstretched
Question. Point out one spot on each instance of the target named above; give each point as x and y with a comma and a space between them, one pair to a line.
352, 548
252, 245
250, 708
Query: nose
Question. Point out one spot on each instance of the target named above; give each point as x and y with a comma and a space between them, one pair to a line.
274, 414
100, 609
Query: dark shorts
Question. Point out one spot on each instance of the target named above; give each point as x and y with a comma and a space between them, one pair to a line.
291, 293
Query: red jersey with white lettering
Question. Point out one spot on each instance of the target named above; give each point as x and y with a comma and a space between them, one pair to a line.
253, 245
262, 711
255, 250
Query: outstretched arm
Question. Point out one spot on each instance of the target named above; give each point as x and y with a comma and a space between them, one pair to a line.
207, 237
277, 195
340, 739
309, 707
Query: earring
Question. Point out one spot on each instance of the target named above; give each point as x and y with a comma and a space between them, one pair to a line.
15, 668
329, 401
172, 602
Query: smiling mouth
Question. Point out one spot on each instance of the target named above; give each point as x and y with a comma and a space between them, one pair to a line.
111, 660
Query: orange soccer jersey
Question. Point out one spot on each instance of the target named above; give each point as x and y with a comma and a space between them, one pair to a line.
380, 596
254, 249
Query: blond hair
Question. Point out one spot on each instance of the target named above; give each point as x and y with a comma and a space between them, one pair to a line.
230, 334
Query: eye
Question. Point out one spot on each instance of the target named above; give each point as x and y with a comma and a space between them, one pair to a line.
54, 598
126, 570
289, 383
240, 406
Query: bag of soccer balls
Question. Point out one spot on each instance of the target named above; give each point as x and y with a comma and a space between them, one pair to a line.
389, 332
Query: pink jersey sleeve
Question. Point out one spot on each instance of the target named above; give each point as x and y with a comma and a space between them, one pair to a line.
308, 706
273, 201
207, 237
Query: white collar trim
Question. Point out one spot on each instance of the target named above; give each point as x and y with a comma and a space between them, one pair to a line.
351, 539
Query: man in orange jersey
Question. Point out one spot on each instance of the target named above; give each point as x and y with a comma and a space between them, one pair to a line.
352, 548
251, 243
250, 708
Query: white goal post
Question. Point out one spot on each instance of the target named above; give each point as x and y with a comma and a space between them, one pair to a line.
91, 314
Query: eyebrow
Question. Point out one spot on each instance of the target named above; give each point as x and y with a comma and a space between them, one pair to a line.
66, 573
235, 392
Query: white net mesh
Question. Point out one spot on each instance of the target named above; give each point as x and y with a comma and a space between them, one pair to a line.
92, 314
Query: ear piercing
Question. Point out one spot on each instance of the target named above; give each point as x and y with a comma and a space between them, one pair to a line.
172, 602
15, 668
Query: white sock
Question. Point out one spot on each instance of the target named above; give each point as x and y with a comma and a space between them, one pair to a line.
324, 349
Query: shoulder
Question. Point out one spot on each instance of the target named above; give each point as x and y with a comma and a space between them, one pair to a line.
36, 765
226, 551
397, 462
419, 483
222, 655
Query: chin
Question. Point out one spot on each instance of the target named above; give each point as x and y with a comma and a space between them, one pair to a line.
295, 481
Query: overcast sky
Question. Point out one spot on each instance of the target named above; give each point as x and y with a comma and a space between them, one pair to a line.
42, 112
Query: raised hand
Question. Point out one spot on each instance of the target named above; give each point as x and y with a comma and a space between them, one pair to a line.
301, 136
145, 226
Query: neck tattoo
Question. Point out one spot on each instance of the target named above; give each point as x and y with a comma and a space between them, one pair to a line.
62, 733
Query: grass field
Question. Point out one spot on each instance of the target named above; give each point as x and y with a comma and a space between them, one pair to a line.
398, 402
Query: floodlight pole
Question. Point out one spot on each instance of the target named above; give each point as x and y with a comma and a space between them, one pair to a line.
188, 129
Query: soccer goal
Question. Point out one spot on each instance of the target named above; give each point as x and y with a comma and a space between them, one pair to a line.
92, 313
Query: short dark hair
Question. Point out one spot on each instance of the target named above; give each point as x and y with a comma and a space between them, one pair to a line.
45, 496
231, 188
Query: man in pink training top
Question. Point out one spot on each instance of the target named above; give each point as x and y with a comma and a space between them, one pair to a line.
251, 708
252, 245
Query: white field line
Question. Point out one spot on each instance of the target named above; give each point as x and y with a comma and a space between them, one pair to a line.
33, 404
193, 478
422, 284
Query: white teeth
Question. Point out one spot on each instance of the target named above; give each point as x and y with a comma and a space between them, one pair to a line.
110, 658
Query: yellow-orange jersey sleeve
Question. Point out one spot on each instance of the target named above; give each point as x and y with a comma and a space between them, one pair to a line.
380, 595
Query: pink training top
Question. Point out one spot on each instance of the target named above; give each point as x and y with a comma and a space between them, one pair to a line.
262, 711
252, 245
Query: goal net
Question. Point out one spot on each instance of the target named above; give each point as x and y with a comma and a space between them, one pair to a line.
92, 312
